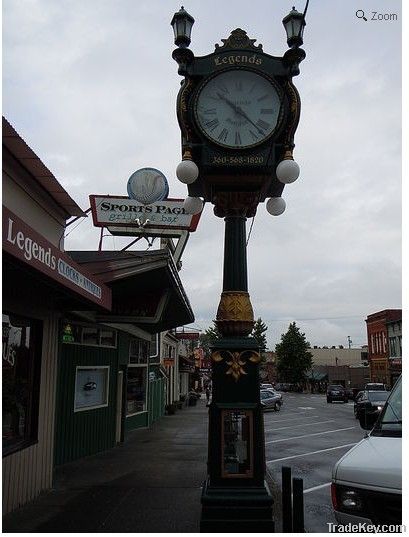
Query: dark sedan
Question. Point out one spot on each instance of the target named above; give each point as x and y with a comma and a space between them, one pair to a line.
336, 392
369, 403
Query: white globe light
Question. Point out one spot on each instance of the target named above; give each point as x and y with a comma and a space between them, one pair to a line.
193, 205
275, 206
187, 172
287, 171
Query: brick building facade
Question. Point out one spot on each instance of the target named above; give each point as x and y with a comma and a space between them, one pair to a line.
382, 369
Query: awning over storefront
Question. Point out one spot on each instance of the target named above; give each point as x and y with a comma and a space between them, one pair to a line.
146, 288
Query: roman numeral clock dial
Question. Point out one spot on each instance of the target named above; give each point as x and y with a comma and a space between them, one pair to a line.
237, 109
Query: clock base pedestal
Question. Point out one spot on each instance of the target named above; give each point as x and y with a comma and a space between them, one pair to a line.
232, 509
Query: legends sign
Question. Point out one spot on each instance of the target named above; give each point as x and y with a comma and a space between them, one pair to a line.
24, 243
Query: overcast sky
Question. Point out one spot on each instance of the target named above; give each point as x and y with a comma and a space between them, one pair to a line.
91, 87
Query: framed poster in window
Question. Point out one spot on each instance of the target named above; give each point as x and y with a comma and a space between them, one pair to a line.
91, 387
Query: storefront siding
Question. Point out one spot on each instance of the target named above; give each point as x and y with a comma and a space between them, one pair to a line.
139, 420
156, 399
29, 471
83, 433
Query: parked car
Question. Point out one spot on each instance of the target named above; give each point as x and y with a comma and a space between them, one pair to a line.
369, 403
286, 387
351, 393
375, 386
279, 386
277, 394
266, 386
367, 481
270, 400
336, 392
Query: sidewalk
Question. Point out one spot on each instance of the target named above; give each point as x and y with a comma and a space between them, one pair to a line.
150, 483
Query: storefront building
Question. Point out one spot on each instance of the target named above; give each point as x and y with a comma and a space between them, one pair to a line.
40, 283
394, 329
378, 345
147, 300
81, 354
108, 384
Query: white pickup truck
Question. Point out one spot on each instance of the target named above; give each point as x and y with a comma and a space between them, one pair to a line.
367, 480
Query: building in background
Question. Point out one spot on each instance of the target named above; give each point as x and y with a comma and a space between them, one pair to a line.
395, 349
349, 376
384, 330
338, 356
188, 341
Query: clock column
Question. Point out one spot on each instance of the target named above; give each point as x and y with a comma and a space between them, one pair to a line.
235, 496
237, 152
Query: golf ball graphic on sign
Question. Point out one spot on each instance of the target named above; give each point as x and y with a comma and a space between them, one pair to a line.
148, 185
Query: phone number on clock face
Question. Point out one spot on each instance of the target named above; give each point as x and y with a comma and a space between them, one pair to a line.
236, 160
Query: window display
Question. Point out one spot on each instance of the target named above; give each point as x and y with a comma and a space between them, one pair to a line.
136, 390
139, 351
21, 371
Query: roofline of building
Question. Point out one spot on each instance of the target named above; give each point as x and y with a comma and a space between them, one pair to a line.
19, 149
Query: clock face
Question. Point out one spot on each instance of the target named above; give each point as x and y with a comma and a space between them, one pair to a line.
238, 109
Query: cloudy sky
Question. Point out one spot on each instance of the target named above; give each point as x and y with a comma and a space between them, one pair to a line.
91, 87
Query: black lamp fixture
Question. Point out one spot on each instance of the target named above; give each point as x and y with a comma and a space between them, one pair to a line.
182, 24
294, 24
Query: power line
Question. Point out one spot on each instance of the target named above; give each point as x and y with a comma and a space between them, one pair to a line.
315, 318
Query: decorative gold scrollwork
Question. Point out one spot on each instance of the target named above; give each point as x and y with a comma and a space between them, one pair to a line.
236, 361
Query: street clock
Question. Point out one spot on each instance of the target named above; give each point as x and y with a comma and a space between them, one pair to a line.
238, 111
238, 108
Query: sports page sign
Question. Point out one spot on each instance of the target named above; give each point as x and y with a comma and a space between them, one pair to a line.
123, 211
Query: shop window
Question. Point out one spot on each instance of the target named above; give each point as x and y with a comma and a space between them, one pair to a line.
392, 346
107, 337
138, 351
136, 390
91, 387
88, 335
21, 379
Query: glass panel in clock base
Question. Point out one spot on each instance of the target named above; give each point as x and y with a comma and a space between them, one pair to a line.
237, 456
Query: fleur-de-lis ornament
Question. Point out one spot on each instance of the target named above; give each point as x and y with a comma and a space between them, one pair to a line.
236, 361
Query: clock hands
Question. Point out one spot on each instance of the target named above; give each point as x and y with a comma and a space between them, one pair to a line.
239, 111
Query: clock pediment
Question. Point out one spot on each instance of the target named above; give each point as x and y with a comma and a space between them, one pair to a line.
238, 39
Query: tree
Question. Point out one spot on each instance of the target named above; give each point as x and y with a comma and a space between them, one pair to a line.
209, 337
258, 333
293, 357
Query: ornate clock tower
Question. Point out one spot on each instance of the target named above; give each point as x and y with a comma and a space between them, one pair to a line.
238, 111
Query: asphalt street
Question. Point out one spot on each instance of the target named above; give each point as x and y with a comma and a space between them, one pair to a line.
309, 435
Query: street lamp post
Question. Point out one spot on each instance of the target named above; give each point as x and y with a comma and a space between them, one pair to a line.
238, 111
